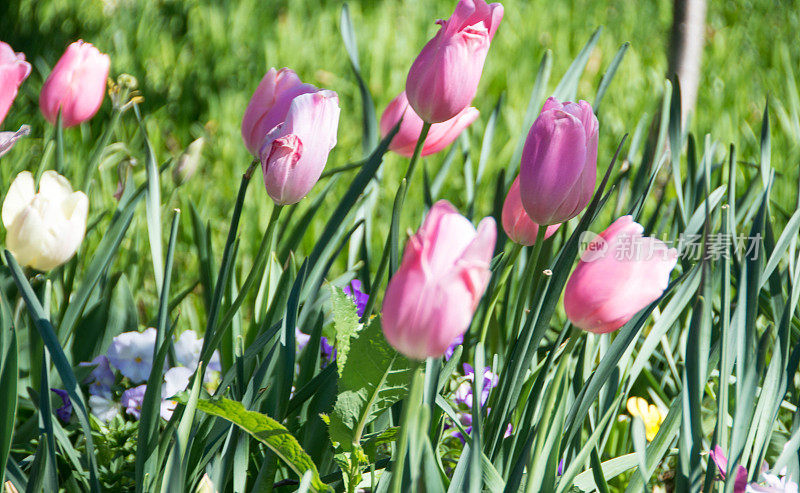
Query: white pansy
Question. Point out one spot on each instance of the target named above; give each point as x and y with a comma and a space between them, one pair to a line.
187, 351
132, 354
103, 407
175, 380
46, 228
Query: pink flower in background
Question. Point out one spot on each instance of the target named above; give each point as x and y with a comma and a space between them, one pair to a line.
76, 86
439, 136
444, 78
270, 104
294, 153
517, 224
13, 71
718, 456
431, 298
620, 273
559, 162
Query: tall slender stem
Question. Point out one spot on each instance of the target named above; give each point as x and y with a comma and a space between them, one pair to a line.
505, 270
400, 197
216, 300
390, 253
528, 278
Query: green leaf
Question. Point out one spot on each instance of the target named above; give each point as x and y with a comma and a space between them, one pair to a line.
48, 335
609, 75
152, 204
267, 431
568, 86
8, 385
346, 324
369, 385
611, 469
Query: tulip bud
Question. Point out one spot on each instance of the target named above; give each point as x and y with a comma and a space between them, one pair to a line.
270, 104
76, 86
445, 270
439, 136
620, 273
444, 78
516, 223
13, 71
559, 162
188, 162
205, 485
8, 139
44, 229
294, 152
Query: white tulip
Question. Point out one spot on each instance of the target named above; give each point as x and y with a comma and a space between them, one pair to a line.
44, 229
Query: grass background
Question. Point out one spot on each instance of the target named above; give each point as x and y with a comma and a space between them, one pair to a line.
198, 61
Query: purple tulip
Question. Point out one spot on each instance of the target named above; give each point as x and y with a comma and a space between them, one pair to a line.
559, 162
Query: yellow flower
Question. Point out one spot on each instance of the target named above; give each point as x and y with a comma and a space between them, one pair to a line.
649, 413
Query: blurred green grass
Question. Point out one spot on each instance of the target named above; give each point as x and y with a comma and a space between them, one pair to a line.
198, 61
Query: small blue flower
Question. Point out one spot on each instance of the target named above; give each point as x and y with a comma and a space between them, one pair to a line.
132, 354
301, 339
132, 400
328, 351
64, 412
101, 378
448, 353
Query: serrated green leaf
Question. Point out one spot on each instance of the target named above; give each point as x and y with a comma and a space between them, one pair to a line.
369, 385
346, 324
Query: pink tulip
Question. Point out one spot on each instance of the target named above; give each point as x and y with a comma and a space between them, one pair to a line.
440, 135
740, 483
444, 77
76, 86
294, 152
518, 226
619, 273
432, 297
559, 162
13, 70
270, 104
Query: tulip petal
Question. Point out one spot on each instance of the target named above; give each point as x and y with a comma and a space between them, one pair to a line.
19, 196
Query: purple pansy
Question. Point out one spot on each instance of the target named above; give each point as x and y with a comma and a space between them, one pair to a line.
360, 298
132, 354
448, 353
301, 339
132, 400
101, 378
64, 412
327, 350
463, 394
